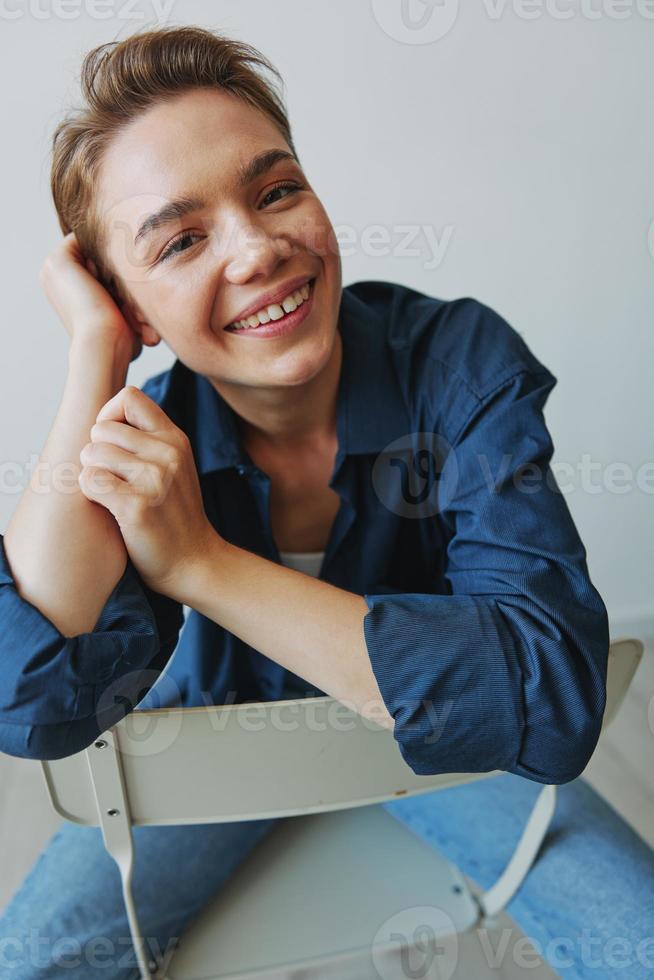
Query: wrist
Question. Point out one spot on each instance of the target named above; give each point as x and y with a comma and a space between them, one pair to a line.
99, 355
198, 574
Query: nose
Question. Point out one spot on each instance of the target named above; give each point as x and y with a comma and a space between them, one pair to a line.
252, 252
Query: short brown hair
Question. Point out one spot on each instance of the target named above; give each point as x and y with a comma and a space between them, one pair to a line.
119, 80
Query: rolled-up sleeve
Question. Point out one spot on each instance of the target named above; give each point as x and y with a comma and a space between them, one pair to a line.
57, 693
508, 671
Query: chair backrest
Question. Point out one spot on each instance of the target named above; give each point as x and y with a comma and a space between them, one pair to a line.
624, 656
257, 759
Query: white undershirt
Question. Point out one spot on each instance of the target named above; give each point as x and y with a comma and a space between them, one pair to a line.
308, 562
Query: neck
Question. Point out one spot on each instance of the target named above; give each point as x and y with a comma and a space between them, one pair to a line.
288, 417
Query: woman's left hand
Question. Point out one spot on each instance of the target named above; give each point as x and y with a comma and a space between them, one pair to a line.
140, 466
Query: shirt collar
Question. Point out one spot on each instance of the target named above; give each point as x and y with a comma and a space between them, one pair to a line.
371, 410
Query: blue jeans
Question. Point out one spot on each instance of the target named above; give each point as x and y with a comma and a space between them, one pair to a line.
587, 903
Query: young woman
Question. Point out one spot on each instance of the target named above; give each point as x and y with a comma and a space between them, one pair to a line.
348, 488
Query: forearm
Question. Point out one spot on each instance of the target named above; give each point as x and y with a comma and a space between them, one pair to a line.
66, 552
302, 623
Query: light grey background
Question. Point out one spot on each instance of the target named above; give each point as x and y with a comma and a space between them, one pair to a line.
522, 139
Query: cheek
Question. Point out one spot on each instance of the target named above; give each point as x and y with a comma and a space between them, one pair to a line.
180, 300
315, 234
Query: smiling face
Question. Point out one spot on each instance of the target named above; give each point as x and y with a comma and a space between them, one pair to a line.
250, 223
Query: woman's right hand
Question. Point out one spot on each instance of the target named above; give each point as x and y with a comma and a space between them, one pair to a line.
83, 304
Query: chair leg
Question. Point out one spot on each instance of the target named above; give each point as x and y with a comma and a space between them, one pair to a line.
103, 758
492, 901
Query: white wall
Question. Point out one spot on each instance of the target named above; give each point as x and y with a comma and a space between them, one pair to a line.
522, 138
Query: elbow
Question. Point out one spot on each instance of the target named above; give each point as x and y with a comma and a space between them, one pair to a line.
46, 742
564, 696
559, 760
561, 734
550, 770
68, 715
47, 735
452, 737
550, 741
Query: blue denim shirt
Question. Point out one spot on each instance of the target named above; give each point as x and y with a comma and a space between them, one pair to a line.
487, 639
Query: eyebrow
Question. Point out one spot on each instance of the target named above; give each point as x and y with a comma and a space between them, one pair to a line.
247, 173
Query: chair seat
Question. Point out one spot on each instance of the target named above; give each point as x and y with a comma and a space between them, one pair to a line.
316, 893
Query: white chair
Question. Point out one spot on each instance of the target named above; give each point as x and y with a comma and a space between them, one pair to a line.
326, 765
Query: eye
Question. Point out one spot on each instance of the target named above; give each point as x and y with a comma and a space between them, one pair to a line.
172, 247
290, 186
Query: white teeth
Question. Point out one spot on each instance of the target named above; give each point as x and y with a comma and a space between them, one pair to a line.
276, 310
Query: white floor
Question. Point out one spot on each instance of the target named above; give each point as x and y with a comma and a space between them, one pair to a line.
621, 770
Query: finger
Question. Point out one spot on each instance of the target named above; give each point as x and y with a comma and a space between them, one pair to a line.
133, 406
141, 475
156, 449
102, 487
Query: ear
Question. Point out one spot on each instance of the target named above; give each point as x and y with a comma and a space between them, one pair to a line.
138, 323
147, 333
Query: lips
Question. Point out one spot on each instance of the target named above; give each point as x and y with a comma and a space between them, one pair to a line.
282, 325
273, 296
